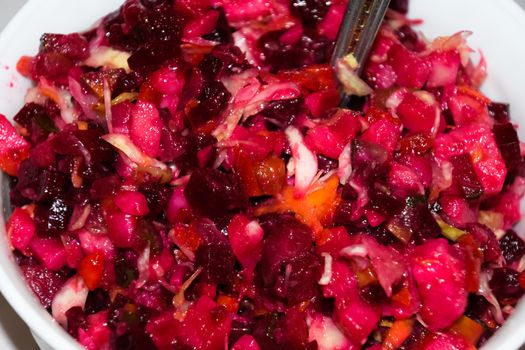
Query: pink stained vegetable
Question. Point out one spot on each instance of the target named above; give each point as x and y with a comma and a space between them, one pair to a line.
132, 203
145, 127
439, 272
122, 230
20, 229
246, 240
49, 251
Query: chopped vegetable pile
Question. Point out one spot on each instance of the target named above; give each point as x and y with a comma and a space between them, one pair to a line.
183, 178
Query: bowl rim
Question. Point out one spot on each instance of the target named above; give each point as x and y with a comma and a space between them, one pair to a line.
42, 324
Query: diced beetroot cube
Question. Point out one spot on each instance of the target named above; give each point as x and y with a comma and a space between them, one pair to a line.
405, 302
73, 250
464, 177
289, 243
439, 272
178, 208
242, 11
120, 117
381, 48
412, 71
246, 240
421, 165
380, 75
508, 204
132, 203
478, 141
292, 35
98, 334
42, 155
418, 115
246, 342
73, 45
202, 25
331, 136
20, 229
329, 26
343, 283
168, 80
487, 241
146, 127
384, 133
404, 181
92, 242
508, 143
44, 282
466, 108
50, 252
13, 148
444, 341
444, 68
122, 230
214, 254
457, 210
357, 318
161, 329
336, 239
319, 102
205, 326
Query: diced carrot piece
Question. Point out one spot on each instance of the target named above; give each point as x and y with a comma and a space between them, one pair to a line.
397, 334
91, 268
467, 328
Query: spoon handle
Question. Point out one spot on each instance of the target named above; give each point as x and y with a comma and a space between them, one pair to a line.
358, 30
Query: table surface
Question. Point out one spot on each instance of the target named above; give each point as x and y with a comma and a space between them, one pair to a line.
14, 334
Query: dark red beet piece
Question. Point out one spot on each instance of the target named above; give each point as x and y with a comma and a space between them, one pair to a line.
505, 285
418, 219
215, 254
289, 267
487, 241
75, 320
284, 111
73, 45
52, 218
508, 144
465, 178
151, 56
162, 24
36, 119
232, 58
52, 66
51, 184
134, 340
222, 32
410, 39
42, 281
212, 193
311, 49
97, 300
399, 6
512, 246
310, 11
84, 143
157, 196
213, 99
264, 331
499, 111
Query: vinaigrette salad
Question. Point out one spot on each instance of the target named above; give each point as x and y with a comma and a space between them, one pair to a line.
184, 178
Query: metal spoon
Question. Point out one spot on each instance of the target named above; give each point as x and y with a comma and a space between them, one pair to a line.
358, 30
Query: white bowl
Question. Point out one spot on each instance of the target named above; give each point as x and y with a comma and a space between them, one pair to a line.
499, 29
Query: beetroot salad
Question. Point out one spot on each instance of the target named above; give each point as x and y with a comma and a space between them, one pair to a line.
182, 177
